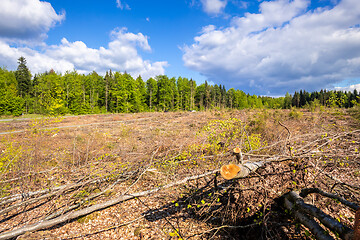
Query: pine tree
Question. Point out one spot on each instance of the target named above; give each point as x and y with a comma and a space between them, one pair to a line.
23, 77
151, 93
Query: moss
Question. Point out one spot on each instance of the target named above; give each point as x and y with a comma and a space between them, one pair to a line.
87, 218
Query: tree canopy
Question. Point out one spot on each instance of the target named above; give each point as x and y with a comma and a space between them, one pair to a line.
54, 93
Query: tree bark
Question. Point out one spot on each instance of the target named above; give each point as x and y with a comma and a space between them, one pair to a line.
232, 171
294, 202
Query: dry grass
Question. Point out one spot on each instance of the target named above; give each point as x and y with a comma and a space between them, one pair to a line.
113, 154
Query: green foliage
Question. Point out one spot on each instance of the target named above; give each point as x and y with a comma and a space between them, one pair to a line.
296, 114
151, 93
10, 102
221, 133
9, 156
23, 77
88, 218
166, 93
258, 121
51, 94
254, 141
55, 94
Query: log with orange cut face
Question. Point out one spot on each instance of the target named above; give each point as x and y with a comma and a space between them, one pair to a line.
229, 171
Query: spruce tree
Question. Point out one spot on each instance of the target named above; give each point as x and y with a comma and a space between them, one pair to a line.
23, 77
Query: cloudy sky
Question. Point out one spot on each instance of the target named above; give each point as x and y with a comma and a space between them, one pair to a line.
261, 47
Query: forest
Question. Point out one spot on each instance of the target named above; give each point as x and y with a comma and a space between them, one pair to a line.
52, 93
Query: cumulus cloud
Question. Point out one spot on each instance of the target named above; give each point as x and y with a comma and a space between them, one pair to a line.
120, 55
350, 88
213, 7
27, 19
284, 47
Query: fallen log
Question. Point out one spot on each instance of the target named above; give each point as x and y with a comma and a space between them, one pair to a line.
97, 207
308, 222
242, 170
232, 171
305, 213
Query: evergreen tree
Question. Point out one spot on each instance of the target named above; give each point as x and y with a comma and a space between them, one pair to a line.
165, 93
184, 93
199, 96
231, 98
302, 98
139, 95
216, 96
296, 100
192, 84
287, 101
151, 93
23, 77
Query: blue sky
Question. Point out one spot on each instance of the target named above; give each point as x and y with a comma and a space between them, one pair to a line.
260, 47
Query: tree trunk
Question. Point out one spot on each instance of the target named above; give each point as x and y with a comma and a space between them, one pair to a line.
305, 213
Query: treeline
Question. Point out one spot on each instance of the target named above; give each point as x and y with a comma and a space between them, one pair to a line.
74, 93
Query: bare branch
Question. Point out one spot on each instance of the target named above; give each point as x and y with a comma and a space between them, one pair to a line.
306, 191
74, 215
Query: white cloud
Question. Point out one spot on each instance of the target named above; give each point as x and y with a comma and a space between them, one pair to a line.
120, 55
350, 88
273, 14
27, 19
213, 6
122, 5
284, 47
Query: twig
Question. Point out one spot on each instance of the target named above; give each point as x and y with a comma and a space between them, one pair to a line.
288, 137
308, 222
334, 178
149, 165
105, 229
224, 226
28, 175
306, 191
328, 221
150, 210
74, 215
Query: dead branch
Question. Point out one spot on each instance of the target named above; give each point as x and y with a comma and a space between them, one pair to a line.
306, 191
288, 137
28, 175
87, 199
334, 178
308, 222
74, 215
49, 194
300, 206
329, 139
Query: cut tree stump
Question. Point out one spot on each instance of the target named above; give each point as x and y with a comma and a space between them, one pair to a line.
232, 170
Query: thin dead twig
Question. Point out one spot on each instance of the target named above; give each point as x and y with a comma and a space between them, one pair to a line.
74, 215
306, 191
